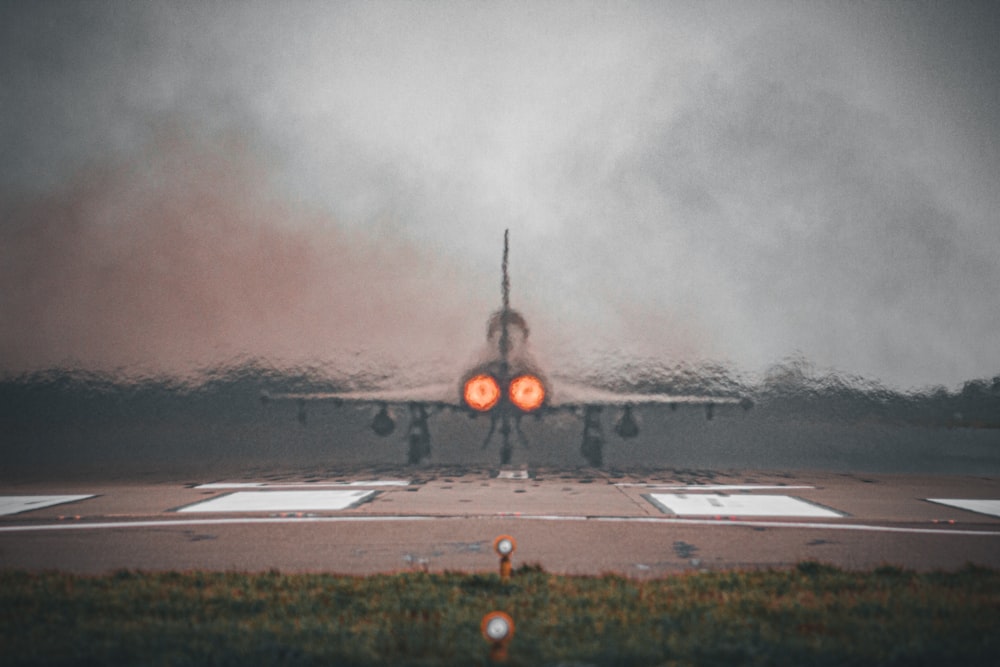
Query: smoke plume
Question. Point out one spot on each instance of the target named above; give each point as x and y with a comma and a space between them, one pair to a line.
182, 259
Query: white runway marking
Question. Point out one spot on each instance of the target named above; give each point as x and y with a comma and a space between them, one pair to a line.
302, 485
281, 501
513, 474
230, 521
716, 487
18, 504
801, 525
990, 507
663, 521
742, 505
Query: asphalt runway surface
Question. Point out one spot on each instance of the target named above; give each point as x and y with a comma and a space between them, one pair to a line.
573, 521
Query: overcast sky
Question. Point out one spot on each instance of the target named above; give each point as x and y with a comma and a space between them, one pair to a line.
182, 183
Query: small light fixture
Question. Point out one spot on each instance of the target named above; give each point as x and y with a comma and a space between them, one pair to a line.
505, 545
498, 629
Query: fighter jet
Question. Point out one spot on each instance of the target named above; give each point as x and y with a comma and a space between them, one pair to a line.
507, 386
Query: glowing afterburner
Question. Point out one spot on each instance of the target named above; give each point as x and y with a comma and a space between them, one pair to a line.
481, 392
527, 392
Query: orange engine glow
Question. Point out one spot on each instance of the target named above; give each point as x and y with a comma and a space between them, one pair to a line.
481, 392
527, 392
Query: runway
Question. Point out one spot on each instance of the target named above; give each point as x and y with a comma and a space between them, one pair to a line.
585, 521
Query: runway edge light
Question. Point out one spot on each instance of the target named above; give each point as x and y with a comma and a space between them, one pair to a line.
498, 629
504, 546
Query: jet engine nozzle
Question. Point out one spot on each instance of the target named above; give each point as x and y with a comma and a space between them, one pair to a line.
527, 392
481, 392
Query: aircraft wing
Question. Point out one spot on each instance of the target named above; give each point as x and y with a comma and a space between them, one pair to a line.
434, 395
588, 401
568, 395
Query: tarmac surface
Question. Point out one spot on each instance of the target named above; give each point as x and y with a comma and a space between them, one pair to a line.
578, 521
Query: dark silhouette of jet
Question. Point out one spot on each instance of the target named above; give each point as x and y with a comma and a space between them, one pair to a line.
508, 385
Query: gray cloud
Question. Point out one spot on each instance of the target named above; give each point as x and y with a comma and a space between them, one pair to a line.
689, 180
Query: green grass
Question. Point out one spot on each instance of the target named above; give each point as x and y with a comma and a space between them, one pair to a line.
810, 615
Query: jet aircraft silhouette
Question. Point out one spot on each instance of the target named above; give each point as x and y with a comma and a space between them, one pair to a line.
507, 386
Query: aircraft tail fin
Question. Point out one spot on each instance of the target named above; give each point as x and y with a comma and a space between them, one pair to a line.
505, 311
506, 278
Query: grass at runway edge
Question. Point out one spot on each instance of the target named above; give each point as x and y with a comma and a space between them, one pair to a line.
812, 614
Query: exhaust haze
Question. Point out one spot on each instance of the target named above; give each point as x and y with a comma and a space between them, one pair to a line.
178, 262
185, 184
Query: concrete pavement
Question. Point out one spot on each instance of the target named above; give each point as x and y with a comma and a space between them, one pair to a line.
572, 521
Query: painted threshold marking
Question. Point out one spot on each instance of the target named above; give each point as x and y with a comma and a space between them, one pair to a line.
281, 501
18, 504
302, 485
665, 521
719, 505
513, 474
990, 507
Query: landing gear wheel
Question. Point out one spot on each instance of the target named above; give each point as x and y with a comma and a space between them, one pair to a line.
592, 450
418, 449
